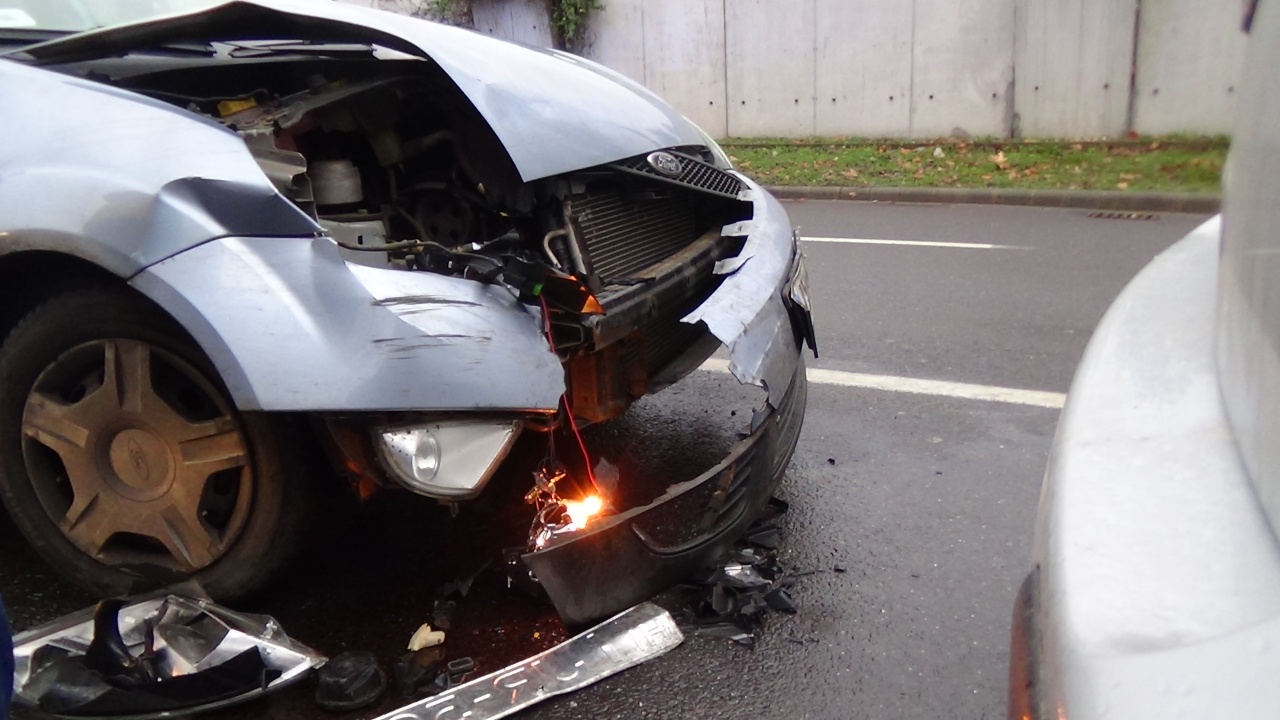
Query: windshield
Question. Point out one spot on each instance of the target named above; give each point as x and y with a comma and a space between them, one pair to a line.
81, 15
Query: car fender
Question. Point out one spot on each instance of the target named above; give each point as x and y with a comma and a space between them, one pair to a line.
149, 182
291, 326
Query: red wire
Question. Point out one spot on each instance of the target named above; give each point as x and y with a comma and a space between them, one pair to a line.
586, 458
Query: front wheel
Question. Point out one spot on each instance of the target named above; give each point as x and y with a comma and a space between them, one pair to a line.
123, 462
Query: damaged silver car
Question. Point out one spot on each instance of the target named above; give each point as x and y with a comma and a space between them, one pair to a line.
242, 233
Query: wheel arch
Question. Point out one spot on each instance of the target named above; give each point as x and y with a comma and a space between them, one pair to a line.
30, 277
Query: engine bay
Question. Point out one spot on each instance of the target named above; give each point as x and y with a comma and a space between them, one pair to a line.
402, 172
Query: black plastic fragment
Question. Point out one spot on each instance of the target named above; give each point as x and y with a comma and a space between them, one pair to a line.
415, 671
454, 674
766, 536
779, 599
519, 575
442, 615
460, 667
350, 681
736, 576
107, 654
67, 686
735, 594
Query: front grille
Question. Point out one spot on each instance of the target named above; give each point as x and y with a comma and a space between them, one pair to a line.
624, 236
694, 173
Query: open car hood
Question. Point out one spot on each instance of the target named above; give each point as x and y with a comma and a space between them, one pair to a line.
555, 112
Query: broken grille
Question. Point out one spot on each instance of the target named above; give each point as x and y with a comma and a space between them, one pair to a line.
693, 173
625, 236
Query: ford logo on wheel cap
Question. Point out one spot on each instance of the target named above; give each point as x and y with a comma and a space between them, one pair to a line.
666, 164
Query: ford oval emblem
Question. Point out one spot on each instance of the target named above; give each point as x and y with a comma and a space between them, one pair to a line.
666, 164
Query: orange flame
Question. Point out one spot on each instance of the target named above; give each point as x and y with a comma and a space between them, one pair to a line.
581, 511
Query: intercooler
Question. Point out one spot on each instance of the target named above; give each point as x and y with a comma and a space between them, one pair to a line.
627, 234
656, 266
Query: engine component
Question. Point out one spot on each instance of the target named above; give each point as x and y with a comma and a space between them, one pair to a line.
446, 218
370, 234
335, 182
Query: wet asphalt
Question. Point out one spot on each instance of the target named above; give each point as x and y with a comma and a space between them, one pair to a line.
914, 512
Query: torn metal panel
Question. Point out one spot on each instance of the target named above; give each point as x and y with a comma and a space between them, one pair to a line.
634, 636
625, 558
554, 112
290, 326
750, 311
162, 655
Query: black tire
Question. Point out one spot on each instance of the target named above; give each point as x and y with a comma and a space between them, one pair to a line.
141, 440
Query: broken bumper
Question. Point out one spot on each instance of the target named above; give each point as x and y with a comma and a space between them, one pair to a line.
632, 556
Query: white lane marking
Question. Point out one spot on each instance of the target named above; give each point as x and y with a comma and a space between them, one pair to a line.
915, 243
917, 386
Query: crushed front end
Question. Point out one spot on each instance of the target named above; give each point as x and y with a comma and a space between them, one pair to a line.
484, 241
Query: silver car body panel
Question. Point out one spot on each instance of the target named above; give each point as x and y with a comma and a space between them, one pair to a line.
1249, 312
1159, 566
1150, 538
292, 326
151, 181
553, 111
624, 641
176, 203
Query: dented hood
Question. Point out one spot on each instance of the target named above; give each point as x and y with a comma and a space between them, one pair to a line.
555, 112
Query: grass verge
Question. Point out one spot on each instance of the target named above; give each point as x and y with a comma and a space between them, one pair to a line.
1174, 164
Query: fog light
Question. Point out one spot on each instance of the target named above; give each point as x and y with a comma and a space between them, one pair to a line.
413, 452
446, 460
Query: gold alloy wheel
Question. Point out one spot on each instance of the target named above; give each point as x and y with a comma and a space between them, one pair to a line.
136, 456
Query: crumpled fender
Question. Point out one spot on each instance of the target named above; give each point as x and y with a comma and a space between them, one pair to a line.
150, 182
291, 326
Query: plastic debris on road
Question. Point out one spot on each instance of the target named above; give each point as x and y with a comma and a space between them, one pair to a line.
350, 681
732, 596
425, 637
167, 654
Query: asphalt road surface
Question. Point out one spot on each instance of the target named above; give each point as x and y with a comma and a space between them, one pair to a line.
948, 336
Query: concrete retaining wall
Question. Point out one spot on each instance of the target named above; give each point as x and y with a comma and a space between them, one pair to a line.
914, 68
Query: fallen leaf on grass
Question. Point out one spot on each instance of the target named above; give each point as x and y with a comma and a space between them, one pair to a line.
1000, 160
850, 173
1122, 185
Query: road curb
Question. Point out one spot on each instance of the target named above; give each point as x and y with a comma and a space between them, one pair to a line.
1082, 199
